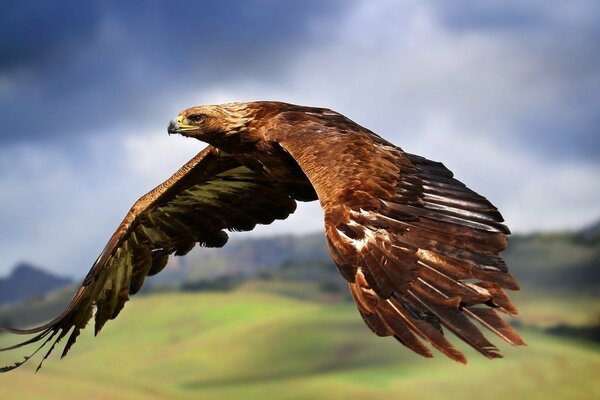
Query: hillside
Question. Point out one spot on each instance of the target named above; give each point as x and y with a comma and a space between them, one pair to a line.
244, 258
254, 345
556, 261
285, 329
591, 232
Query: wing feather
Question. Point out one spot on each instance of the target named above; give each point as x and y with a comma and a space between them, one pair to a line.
213, 192
419, 249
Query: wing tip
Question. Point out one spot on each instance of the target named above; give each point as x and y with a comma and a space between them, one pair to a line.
419, 349
491, 352
16, 365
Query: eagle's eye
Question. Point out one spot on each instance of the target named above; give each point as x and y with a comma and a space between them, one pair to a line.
196, 117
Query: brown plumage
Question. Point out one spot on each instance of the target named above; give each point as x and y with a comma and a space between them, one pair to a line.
420, 250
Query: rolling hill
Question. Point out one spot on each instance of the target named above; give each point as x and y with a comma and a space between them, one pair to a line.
284, 329
255, 345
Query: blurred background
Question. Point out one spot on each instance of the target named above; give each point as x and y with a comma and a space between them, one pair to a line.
506, 94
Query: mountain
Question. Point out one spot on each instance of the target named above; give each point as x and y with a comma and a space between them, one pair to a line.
591, 232
27, 281
568, 261
245, 259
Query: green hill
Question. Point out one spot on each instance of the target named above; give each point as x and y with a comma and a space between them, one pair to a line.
255, 345
559, 275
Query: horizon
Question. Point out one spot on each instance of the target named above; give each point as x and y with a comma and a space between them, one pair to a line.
240, 237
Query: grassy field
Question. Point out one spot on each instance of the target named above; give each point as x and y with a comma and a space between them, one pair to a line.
248, 344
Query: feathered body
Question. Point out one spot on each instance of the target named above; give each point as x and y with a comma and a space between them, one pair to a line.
420, 251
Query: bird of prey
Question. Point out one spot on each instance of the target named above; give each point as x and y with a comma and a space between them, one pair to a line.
419, 250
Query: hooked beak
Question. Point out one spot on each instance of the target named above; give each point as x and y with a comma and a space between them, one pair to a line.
178, 125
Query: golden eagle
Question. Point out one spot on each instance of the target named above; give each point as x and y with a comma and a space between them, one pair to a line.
420, 250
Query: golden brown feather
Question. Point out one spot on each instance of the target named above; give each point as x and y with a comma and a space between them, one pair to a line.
420, 250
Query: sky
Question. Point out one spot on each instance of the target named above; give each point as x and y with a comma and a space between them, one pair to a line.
506, 94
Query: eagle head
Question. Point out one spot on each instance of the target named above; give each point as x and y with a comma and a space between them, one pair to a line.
214, 124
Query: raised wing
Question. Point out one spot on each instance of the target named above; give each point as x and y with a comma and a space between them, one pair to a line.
210, 193
419, 249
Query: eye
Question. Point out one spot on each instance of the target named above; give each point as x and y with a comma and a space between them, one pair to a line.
196, 117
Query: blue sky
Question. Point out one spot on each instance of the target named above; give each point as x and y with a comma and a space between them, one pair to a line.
506, 94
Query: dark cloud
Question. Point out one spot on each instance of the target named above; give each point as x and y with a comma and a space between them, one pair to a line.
564, 39
71, 64
68, 64
573, 135
32, 36
521, 17
505, 93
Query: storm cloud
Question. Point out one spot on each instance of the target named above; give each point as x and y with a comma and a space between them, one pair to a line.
505, 94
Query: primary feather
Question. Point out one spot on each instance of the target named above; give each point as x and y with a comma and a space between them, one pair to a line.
420, 250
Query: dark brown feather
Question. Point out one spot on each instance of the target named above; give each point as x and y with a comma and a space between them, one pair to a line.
377, 198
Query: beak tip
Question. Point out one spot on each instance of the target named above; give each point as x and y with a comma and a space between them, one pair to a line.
173, 127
